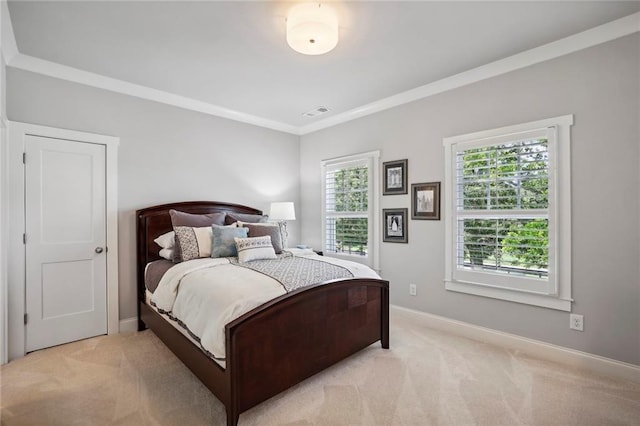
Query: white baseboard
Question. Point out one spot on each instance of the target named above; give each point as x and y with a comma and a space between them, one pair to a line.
547, 351
129, 324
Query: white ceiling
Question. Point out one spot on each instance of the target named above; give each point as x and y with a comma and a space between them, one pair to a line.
234, 55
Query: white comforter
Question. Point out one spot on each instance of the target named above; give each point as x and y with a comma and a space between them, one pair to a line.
206, 294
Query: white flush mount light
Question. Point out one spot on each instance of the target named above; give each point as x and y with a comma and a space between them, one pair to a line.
312, 28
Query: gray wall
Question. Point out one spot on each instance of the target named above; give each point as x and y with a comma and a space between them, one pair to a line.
166, 154
601, 87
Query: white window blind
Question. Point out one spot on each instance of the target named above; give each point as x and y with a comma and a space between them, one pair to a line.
502, 201
349, 207
504, 211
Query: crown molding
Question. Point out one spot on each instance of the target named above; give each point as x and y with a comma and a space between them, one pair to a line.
63, 72
592, 37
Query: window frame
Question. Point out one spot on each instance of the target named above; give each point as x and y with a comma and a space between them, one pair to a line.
555, 295
372, 160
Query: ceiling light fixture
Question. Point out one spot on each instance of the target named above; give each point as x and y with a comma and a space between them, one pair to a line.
312, 28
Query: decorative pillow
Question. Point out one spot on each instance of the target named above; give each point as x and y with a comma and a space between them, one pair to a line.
179, 218
167, 240
193, 243
224, 244
166, 253
257, 248
262, 229
243, 217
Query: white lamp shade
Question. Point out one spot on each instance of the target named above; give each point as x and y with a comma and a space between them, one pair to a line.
282, 211
312, 29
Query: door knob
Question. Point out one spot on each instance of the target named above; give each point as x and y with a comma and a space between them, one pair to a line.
99, 249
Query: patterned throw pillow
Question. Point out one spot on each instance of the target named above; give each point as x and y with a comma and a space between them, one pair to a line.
224, 244
193, 243
257, 248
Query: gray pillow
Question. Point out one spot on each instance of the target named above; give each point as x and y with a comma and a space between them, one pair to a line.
262, 229
223, 243
243, 217
179, 218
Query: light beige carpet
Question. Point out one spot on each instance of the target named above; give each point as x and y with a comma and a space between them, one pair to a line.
426, 378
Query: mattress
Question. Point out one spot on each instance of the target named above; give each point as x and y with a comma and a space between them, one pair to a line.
182, 330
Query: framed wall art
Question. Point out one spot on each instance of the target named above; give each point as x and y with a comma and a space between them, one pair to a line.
395, 177
395, 225
425, 201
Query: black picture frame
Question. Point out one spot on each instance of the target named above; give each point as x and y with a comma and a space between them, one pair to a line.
394, 223
425, 201
395, 177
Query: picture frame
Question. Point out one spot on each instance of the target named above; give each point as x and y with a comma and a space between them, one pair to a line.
395, 229
425, 201
395, 177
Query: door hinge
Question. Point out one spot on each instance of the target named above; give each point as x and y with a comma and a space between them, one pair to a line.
26, 319
24, 158
24, 238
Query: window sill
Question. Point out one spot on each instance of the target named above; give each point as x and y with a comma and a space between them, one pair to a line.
550, 302
365, 260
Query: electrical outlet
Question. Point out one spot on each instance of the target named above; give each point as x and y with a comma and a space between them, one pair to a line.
576, 322
412, 289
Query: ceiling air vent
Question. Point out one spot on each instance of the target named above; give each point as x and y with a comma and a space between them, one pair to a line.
316, 112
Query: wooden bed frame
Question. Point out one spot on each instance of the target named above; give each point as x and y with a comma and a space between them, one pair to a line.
277, 344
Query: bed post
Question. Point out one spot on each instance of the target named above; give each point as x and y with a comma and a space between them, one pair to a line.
141, 248
231, 405
232, 418
384, 335
141, 325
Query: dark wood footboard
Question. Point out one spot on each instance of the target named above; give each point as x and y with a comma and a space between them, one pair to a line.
284, 341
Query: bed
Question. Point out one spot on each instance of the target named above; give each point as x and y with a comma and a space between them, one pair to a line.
277, 344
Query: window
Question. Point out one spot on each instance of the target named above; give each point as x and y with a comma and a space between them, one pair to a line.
350, 207
508, 213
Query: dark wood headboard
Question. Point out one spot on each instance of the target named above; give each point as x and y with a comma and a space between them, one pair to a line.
155, 221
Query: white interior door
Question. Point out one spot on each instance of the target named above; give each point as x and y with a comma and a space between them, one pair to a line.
66, 287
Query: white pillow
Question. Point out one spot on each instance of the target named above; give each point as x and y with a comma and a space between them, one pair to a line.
257, 248
166, 241
166, 253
